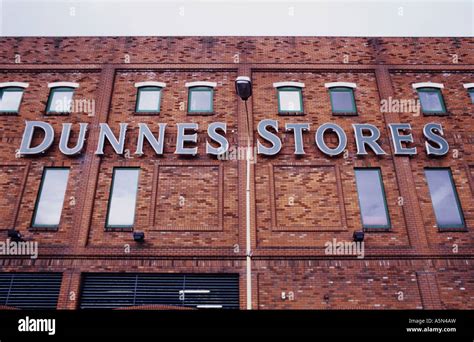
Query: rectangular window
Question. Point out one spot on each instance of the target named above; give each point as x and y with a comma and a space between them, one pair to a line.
444, 198
50, 200
200, 100
431, 101
10, 99
342, 100
471, 94
372, 201
123, 198
290, 100
60, 100
148, 100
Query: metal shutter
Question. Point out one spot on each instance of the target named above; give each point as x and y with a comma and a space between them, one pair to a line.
30, 290
114, 290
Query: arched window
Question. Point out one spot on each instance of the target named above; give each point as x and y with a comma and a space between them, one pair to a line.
342, 98
290, 97
148, 97
60, 97
200, 97
430, 96
11, 94
470, 91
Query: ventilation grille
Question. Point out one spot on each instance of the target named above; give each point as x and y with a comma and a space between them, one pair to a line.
115, 290
30, 290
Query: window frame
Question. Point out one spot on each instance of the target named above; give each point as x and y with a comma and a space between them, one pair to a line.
440, 97
449, 227
377, 227
137, 100
122, 227
12, 88
200, 88
470, 93
290, 89
38, 197
50, 98
343, 89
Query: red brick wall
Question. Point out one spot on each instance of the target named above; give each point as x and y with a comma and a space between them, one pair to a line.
297, 203
250, 49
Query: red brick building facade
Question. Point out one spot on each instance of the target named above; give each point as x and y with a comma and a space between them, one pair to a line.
193, 209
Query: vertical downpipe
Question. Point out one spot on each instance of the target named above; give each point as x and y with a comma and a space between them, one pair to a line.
247, 218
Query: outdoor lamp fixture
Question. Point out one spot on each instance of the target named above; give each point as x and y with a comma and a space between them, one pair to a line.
14, 235
243, 87
139, 236
358, 236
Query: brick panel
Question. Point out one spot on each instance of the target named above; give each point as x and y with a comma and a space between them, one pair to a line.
11, 184
455, 284
306, 198
181, 207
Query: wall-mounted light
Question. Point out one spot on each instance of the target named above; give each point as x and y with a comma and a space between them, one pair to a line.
139, 236
358, 236
14, 235
243, 87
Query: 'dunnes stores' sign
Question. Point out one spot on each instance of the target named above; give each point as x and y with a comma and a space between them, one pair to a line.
366, 138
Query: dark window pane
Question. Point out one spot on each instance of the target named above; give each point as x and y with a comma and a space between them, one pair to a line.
123, 198
431, 101
342, 101
200, 100
471, 94
371, 198
51, 197
444, 198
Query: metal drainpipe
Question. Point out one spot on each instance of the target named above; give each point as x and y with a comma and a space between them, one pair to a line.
247, 217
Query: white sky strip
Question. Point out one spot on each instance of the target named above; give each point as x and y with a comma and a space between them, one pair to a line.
230, 17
